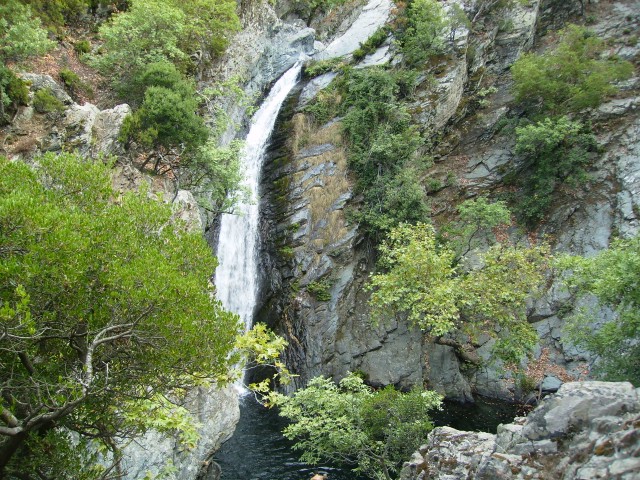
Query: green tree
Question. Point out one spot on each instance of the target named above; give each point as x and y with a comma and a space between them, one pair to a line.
573, 76
150, 31
422, 283
214, 176
612, 276
55, 13
158, 74
164, 30
383, 145
166, 119
210, 24
425, 33
106, 310
21, 36
353, 424
477, 217
556, 152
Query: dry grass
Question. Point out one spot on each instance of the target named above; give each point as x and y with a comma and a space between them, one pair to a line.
300, 132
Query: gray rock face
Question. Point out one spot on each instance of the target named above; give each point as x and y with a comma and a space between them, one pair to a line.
259, 54
40, 82
90, 131
329, 334
587, 430
373, 16
217, 412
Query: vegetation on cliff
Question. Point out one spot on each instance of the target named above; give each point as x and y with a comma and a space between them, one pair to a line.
612, 277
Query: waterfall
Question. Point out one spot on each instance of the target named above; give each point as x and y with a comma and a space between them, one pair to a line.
237, 272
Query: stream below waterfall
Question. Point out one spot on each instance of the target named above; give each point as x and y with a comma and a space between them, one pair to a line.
258, 451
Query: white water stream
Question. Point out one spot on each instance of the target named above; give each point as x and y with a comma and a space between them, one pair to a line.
237, 273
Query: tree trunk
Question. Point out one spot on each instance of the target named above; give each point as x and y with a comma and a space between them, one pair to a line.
8, 448
465, 352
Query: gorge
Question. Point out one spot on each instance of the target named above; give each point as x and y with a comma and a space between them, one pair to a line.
299, 254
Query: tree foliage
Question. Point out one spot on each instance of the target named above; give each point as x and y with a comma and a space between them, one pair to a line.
425, 32
383, 144
556, 152
351, 423
612, 276
21, 33
105, 307
164, 30
422, 281
150, 31
574, 76
166, 119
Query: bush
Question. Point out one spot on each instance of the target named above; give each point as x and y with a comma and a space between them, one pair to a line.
612, 276
82, 47
13, 92
166, 119
21, 34
158, 74
44, 101
164, 30
55, 13
319, 67
571, 77
376, 430
371, 44
556, 151
150, 31
320, 290
425, 33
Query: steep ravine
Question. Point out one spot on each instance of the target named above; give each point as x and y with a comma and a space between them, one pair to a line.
316, 298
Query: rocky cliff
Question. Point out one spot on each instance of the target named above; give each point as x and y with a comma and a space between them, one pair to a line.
586, 430
316, 263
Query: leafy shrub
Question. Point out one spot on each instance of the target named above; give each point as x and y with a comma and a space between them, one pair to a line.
320, 290
21, 34
306, 9
44, 101
166, 119
13, 92
352, 423
209, 24
318, 67
612, 276
423, 283
426, 26
55, 13
556, 151
148, 32
158, 74
213, 174
82, 47
164, 30
571, 77
371, 44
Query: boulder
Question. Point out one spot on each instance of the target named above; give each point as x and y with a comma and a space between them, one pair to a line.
586, 430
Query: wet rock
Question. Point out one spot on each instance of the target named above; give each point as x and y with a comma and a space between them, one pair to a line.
373, 16
312, 88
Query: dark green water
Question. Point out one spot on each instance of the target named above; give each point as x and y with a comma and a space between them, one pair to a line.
258, 451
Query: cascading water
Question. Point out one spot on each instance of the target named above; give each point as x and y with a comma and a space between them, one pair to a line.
236, 276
